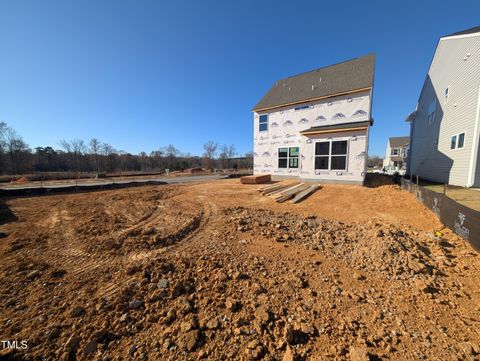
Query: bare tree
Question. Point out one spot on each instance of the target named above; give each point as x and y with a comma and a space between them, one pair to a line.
14, 145
210, 150
223, 156
107, 152
375, 161
75, 149
95, 149
227, 153
3, 143
171, 153
156, 157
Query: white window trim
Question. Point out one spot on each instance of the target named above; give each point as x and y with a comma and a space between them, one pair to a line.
288, 157
259, 123
330, 155
456, 140
446, 96
395, 155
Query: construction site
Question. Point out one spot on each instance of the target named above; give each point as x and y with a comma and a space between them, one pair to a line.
220, 270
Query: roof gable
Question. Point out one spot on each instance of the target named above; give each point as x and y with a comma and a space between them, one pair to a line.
339, 78
396, 142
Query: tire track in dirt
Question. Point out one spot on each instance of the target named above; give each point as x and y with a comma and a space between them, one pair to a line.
184, 234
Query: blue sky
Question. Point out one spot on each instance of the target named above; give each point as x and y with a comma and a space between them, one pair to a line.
143, 74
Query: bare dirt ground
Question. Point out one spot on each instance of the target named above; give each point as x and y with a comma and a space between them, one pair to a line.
469, 197
215, 271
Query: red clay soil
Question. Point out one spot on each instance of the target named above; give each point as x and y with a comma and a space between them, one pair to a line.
216, 271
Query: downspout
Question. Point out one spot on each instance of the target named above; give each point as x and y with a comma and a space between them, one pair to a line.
476, 140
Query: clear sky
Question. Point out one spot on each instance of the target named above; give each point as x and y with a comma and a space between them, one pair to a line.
143, 74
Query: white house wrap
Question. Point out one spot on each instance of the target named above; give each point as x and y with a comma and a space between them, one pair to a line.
315, 125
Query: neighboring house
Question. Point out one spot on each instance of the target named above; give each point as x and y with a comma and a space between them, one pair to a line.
315, 125
396, 154
444, 130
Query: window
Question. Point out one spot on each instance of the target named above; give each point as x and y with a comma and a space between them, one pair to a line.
282, 157
446, 94
453, 143
394, 151
263, 123
461, 140
331, 155
293, 153
431, 112
339, 155
288, 157
322, 152
302, 107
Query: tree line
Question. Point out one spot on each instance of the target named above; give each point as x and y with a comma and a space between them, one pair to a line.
95, 156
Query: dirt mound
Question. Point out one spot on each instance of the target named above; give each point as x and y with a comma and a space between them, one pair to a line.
372, 247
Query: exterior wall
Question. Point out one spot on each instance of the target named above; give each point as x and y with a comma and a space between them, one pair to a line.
431, 156
386, 160
285, 125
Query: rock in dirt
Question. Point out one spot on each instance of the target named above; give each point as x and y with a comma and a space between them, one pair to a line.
213, 324
179, 289
262, 314
358, 354
135, 304
90, 348
163, 283
77, 311
232, 305
188, 341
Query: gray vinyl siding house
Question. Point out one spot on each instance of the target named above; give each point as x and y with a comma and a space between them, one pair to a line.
445, 127
315, 126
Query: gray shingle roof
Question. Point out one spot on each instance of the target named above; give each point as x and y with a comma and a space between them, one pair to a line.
351, 125
396, 142
334, 79
465, 32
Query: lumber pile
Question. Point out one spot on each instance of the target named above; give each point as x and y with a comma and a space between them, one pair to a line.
256, 179
283, 192
305, 193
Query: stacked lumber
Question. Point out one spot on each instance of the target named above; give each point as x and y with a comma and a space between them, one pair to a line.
305, 193
256, 179
286, 194
283, 192
273, 189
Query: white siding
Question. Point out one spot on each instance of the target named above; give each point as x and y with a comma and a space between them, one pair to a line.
285, 124
431, 156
